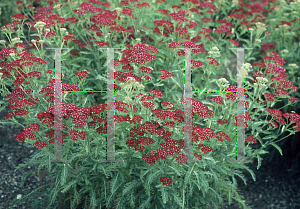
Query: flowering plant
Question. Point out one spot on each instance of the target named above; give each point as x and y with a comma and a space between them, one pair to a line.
151, 126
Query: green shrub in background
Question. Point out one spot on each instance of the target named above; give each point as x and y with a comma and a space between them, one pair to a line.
290, 145
7, 10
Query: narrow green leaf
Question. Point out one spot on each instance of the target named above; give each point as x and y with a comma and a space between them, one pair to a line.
146, 203
259, 161
198, 181
128, 187
229, 197
162, 51
188, 176
2, 106
177, 199
67, 186
259, 139
176, 170
209, 158
77, 66
220, 199
251, 172
64, 175
147, 189
291, 131
241, 176
261, 152
283, 127
204, 184
269, 137
152, 176
93, 198
164, 195
247, 41
84, 52
230, 74
277, 147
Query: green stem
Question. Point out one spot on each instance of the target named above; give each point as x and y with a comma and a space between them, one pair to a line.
68, 151
13, 119
278, 140
250, 157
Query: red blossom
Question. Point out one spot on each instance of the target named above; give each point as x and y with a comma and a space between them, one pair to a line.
82, 74
166, 180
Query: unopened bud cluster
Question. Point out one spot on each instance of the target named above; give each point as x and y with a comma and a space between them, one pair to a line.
247, 67
258, 40
62, 30
57, 6
235, 2
16, 40
296, 4
284, 26
293, 65
223, 83
40, 25
262, 81
128, 99
215, 52
131, 82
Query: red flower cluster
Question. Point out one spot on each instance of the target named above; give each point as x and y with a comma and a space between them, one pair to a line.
166, 180
82, 74
222, 134
218, 100
182, 159
252, 139
222, 121
205, 148
166, 74
241, 116
27, 132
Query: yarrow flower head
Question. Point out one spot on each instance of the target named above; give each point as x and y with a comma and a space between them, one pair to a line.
260, 25
262, 81
130, 80
223, 83
118, 9
235, 2
122, 85
166, 180
40, 25
16, 40
139, 85
215, 52
128, 99
251, 30
247, 67
57, 6
293, 65
62, 30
